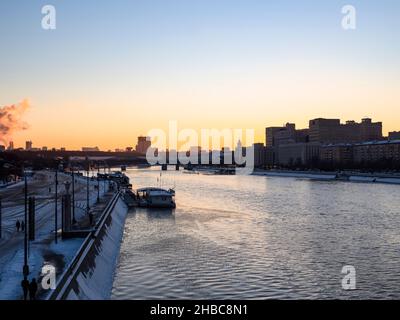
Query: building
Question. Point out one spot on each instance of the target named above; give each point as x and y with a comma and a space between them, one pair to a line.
90, 149
143, 144
328, 131
11, 146
2, 148
297, 154
274, 136
44, 148
395, 135
28, 145
372, 152
269, 156
259, 155
336, 153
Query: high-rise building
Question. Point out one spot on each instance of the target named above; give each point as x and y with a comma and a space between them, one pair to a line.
276, 136
2, 148
327, 131
395, 135
28, 145
11, 146
259, 154
143, 144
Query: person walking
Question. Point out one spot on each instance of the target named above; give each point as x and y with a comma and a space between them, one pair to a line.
25, 287
33, 289
18, 225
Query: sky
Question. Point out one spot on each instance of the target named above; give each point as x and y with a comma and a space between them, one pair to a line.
113, 70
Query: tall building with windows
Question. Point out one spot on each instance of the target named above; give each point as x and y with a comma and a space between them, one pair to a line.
28, 145
275, 136
143, 144
326, 131
395, 135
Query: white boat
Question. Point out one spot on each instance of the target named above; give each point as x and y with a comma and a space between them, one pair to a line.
156, 198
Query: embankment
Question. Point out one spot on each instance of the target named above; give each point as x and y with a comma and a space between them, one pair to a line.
90, 275
352, 177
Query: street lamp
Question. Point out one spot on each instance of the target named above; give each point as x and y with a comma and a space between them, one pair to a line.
98, 182
55, 205
87, 187
73, 196
0, 218
25, 268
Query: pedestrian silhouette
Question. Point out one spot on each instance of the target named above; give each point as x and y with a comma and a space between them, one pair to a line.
25, 287
33, 289
17, 225
22, 226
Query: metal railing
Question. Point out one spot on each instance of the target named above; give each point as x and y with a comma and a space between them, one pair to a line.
70, 274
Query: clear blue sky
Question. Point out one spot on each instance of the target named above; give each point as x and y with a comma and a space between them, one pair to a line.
167, 54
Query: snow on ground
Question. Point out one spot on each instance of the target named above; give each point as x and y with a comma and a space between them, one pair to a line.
97, 283
12, 242
295, 175
327, 176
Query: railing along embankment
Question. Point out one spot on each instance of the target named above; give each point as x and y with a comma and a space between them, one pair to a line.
90, 274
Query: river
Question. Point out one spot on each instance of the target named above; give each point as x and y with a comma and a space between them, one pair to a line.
254, 237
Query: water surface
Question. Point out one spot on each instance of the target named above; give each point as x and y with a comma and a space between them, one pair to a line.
251, 237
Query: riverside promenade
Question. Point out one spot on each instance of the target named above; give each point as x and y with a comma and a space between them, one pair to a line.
43, 250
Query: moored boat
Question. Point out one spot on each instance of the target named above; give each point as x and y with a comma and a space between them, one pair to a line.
156, 198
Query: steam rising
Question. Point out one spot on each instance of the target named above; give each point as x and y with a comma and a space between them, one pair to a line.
10, 120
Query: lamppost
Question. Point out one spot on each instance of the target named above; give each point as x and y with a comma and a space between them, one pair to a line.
73, 196
104, 178
98, 182
87, 187
0, 219
55, 205
25, 268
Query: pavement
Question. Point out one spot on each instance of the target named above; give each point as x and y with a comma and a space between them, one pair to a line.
43, 250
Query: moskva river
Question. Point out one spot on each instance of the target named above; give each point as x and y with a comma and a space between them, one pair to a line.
251, 237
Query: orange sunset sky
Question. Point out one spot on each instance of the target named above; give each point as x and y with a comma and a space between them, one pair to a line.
110, 73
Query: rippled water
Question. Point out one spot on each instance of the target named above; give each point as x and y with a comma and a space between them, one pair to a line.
239, 237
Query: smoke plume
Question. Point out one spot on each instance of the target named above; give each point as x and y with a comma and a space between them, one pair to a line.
11, 120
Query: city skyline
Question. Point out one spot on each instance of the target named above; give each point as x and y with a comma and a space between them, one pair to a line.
289, 130
107, 75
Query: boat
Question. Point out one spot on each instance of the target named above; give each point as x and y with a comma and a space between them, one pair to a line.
156, 198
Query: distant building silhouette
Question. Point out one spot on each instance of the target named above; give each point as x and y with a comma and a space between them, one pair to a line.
332, 131
143, 144
325, 140
90, 149
395, 135
28, 145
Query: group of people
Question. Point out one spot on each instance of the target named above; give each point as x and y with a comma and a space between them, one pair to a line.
29, 287
20, 225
